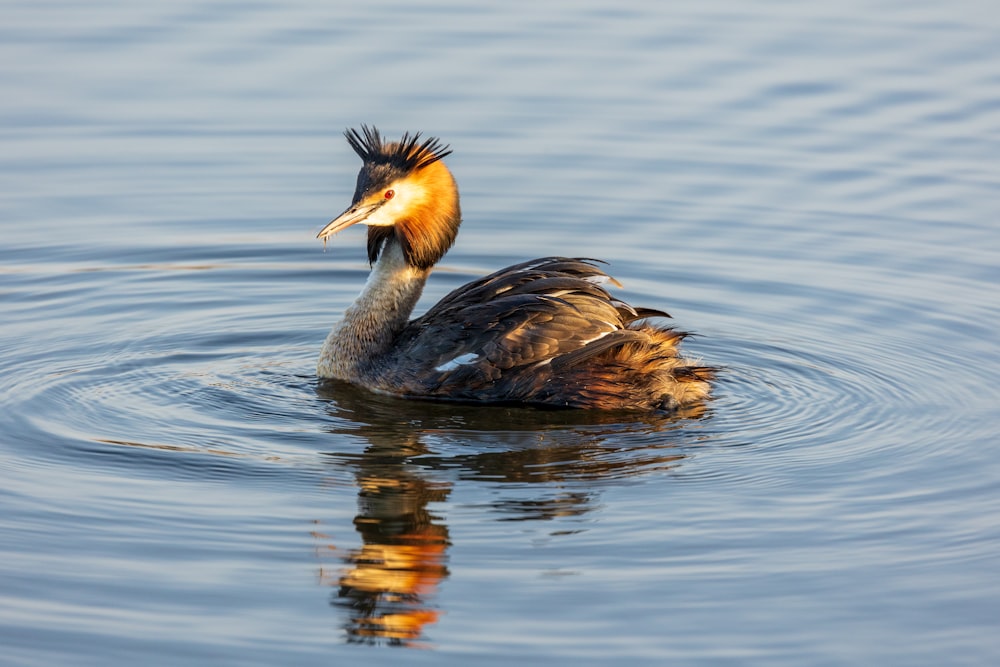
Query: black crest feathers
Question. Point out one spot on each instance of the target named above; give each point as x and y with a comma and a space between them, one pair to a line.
406, 155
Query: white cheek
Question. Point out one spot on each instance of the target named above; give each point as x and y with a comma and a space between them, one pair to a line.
405, 198
383, 217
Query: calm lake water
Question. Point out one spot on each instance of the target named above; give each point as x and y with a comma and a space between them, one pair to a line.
815, 190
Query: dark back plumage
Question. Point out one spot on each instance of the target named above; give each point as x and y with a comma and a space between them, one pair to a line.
546, 332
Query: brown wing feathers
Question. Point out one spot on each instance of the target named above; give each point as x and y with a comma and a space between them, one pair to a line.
510, 333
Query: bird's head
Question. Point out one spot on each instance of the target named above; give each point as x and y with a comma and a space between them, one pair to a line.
404, 193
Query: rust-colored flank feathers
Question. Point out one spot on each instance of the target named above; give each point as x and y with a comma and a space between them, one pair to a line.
543, 332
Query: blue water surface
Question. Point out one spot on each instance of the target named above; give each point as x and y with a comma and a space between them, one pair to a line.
812, 189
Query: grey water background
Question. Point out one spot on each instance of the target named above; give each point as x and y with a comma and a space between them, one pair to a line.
813, 188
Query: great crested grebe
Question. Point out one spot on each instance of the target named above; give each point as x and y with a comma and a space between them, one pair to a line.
544, 332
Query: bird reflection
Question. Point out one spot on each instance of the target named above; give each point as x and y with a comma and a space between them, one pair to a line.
387, 584
412, 453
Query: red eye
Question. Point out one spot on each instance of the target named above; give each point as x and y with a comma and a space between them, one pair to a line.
389, 194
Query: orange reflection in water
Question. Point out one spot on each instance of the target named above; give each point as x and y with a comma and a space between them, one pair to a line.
389, 582
556, 461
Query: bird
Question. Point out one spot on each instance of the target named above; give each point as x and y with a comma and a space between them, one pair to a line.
545, 332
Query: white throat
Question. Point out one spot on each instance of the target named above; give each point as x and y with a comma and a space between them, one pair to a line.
369, 328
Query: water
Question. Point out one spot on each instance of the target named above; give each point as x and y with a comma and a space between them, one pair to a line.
814, 190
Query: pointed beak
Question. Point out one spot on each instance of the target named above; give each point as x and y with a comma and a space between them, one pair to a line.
356, 213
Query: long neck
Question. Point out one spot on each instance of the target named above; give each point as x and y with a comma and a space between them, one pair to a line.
372, 323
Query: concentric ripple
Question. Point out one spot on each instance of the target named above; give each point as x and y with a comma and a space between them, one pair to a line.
247, 395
